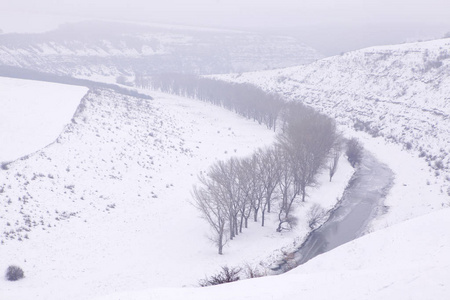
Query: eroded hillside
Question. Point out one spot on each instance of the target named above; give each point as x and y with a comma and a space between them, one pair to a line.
401, 93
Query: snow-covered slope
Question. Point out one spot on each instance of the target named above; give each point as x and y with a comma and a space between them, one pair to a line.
106, 207
105, 51
406, 261
33, 114
399, 94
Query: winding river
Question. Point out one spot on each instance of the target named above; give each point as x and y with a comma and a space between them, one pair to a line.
360, 203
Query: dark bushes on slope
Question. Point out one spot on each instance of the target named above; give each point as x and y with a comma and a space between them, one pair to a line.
14, 273
354, 152
224, 276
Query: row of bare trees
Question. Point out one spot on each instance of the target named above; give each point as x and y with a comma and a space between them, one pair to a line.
232, 192
273, 179
244, 99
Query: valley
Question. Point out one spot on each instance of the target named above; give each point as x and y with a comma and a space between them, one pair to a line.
96, 184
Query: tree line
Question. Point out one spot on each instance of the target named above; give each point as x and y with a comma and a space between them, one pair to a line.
242, 98
273, 179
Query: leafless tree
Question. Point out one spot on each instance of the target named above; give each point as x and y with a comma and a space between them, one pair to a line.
213, 211
270, 172
226, 275
316, 215
308, 136
354, 152
335, 154
247, 181
225, 176
287, 188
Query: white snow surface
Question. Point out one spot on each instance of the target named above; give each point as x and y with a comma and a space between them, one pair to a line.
33, 114
106, 208
406, 261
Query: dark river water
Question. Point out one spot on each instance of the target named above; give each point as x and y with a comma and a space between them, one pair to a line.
361, 201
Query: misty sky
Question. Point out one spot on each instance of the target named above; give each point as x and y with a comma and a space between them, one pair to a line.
345, 22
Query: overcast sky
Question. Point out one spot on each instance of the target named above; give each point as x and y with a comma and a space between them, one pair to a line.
391, 19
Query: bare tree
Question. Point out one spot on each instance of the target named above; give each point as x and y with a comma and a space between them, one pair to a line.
270, 173
308, 136
335, 154
246, 181
224, 276
212, 211
287, 188
316, 215
354, 152
225, 177
258, 192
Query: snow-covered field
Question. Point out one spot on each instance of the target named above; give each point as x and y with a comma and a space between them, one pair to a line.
106, 208
33, 114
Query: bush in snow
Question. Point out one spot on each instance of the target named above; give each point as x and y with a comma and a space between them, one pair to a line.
316, 216
4, 165
254, 271
14, 273
225, 275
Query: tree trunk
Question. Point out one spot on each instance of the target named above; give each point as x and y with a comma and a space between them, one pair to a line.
241, 223
231, 228
303, 194
220, 244
255, 216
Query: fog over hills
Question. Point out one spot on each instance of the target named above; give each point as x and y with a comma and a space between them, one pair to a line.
104, 201
99, 50
398, 92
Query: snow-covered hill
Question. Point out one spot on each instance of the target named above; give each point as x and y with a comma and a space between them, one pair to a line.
399, 94
106, 207
33, 114
105, 51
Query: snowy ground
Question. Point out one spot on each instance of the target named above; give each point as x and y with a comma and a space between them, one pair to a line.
106, 208
33, 114
404, 261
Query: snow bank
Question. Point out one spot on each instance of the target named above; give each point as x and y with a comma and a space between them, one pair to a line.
406, 261
33, 114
